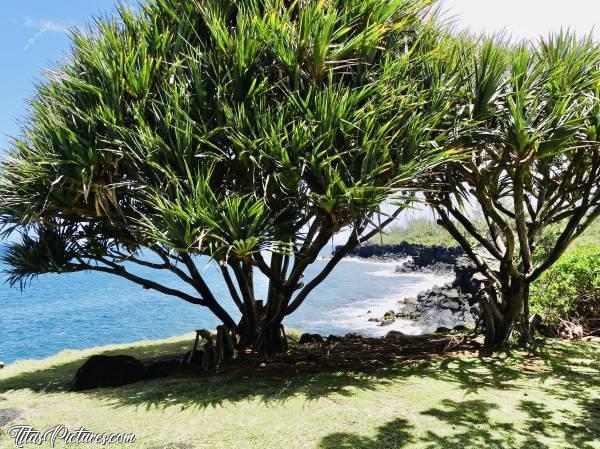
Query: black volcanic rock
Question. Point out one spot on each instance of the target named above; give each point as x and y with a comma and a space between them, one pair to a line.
310, 338
456, 301
108, 371
422, 255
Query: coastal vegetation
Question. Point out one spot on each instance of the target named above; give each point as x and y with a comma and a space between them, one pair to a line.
254, 131
532, 125
546, 400
229, 129
570, 290
426, 231
419, 231
250, 133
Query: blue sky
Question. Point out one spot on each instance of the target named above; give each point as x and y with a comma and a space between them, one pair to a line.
33, 36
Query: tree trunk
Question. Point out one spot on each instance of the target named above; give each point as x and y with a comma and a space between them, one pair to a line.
247, 334
265, 340
525, 325
503, 311
272, 340
497, 336
265, 336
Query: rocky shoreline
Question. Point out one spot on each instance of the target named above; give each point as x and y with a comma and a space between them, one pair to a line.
453, 305
412, 258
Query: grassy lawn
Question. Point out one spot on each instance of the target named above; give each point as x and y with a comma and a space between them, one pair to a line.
548, 400
417, 231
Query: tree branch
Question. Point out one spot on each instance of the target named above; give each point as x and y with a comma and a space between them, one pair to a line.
520, 218
573, 229
482, 266
202, 288
380, 228
119, 270
466, 223
232, 290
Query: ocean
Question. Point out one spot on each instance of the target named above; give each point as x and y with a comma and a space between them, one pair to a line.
82, 310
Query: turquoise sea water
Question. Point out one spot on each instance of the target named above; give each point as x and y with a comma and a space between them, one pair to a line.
81, 310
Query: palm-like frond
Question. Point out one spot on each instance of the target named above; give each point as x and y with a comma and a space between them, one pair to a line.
221, 127
50, 251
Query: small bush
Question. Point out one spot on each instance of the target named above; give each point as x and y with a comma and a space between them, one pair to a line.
570, 290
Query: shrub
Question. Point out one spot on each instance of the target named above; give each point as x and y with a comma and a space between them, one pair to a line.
571, 288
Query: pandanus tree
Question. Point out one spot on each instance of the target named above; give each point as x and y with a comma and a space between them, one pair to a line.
248, 131
531, 126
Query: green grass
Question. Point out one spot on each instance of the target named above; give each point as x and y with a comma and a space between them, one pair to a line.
417, 231
550, 400
424, 231
591, 236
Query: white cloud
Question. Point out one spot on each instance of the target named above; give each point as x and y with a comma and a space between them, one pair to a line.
525, 19
42, 26
46, 24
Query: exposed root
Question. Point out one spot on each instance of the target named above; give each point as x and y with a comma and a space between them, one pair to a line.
570, 331
352, 353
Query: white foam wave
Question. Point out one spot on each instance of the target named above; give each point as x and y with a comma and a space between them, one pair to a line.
352, 259
354, 317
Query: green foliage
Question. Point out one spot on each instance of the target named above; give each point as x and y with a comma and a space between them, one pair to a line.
550, 234
591, 236
50, 251
160, 117
305, 110
230, 128
421, 231
529, 122
417, 231
570, 288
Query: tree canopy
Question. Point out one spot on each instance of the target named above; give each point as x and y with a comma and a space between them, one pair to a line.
531, 123
229, 129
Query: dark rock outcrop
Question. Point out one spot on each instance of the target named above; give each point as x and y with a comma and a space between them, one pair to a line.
435, 268
108, 371
453, 304
310, 338
458, 297
448, 304
334, 338
422, 256
394, 335
466, 281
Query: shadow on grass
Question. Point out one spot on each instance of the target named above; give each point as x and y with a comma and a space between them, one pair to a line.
562, 370
394, 434
474, 428
215, 391
571, 367
55, 374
